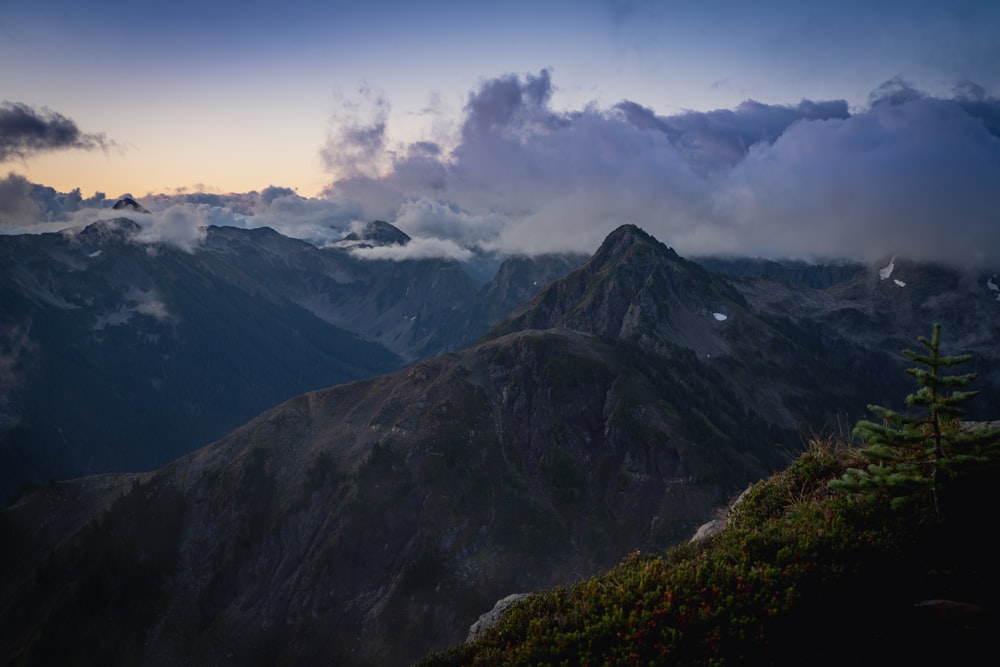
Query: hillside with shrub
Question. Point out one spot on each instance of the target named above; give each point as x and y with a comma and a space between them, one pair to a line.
861, 555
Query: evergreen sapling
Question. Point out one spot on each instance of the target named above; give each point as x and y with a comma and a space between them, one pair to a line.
910, 452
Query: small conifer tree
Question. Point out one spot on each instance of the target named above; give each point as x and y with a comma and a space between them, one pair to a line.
910, 452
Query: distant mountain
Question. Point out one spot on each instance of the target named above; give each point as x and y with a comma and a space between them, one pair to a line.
120, 355
378, 233
124, 356
795, 273
518, 279
372, 522
128, 204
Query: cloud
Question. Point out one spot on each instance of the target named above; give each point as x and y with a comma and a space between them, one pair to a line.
913, 176
17, 206
358, 144
26, 204
181, 226
182, 220
910, 174
416, 249
144, 302
179, 219
424, 218
25, 131
315, 220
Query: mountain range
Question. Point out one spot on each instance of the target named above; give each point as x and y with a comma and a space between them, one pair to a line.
371, 522
121, 355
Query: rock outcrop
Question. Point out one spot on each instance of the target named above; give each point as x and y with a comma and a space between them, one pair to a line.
493, 616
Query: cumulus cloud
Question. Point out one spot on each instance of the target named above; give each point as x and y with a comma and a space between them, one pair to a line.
910, 174
318, 221
359, 143
424, 218
24, 203
25, 131
913, 176
17, 205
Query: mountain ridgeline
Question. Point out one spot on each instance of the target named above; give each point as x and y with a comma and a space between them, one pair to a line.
122, 355
370, 523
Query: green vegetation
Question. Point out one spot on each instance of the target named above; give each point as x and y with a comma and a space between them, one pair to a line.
911, 453
803, 573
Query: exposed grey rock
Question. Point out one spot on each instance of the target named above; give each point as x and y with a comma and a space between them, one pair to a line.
715, 525
708, 529
493, 616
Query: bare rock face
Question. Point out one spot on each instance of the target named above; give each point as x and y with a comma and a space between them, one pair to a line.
129, 204
493, 616
708, 529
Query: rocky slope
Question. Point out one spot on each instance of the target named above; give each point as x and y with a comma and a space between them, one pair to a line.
368, 523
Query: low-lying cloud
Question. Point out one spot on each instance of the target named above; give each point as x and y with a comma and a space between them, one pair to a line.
179, 219
25, 131
910, 174
418, 248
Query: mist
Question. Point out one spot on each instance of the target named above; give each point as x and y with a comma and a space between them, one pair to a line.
909, 174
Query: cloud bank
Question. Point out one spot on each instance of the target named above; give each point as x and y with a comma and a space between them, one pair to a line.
25, 131
909, 174
178, 219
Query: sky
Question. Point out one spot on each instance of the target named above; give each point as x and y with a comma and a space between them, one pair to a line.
775, 128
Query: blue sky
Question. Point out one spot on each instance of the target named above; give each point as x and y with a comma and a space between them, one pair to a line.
359, 104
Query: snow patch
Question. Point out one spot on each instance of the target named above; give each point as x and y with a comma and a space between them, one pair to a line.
899, 283
96, 253
886, 271
993, 286
719, 317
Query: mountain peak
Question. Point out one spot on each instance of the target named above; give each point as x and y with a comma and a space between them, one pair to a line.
635, 288
110, 228
378, 232
129, 204
625, 239
629, 231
